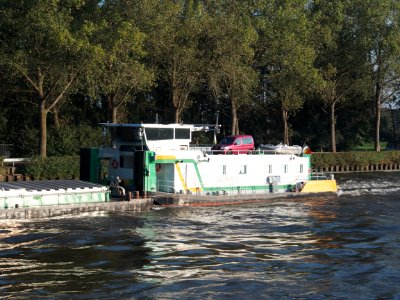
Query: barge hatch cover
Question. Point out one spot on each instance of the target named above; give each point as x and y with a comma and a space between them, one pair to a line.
50, 192
47, 185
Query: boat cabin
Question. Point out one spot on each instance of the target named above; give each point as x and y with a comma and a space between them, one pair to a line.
151, 137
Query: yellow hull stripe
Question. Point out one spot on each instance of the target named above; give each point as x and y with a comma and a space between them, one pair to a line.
192, 189
165, 157
320, 186
178, 169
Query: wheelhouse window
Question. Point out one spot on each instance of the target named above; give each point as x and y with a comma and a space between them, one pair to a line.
182, 133
154, 134
125, 134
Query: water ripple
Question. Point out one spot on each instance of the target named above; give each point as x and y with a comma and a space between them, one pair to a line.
317, 248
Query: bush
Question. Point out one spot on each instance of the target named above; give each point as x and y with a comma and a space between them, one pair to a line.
2, 169
65, 167
68, 140
365, 158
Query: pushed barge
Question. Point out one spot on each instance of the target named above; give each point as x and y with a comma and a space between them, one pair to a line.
51, 198
159, 161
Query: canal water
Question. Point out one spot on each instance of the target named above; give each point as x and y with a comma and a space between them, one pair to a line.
318, 248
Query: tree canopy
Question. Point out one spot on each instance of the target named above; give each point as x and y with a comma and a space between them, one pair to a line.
292, 71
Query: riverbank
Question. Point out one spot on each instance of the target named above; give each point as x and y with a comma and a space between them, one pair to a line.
355, 168
355, 161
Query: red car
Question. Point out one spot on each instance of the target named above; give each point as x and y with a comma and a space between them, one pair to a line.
234, 144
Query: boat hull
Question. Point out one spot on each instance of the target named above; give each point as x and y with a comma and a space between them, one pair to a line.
320, 186
162, 161
165, 199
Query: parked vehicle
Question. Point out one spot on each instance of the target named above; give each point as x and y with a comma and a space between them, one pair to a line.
234, 144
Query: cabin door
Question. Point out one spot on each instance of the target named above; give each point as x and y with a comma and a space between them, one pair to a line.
138, 170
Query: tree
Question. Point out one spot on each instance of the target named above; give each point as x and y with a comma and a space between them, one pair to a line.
379, 22
228, 51
43, 42
286, 54
336, 60
173, 28
119, 71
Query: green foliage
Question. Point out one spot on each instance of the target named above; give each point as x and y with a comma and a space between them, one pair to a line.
68, 140
45, 45
64, 167
368, 147
259, 62
174, 29
287, 56
118, 70
362, 159
2, 169
25, 142
228, 57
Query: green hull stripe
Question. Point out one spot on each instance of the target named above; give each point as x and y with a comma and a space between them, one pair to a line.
249, 188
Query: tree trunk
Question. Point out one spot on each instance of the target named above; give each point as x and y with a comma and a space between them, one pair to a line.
234, 122
113, 109
114, 114
175, 103
56, 117
333, 127
177, 116
43, 130
285, 118
377, 115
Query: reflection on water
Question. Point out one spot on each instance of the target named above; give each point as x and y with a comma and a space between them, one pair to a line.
317, 248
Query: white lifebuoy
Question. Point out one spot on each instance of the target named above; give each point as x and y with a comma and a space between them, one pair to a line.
114, 163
